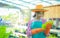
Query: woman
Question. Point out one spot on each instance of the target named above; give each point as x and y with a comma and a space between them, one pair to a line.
35, 28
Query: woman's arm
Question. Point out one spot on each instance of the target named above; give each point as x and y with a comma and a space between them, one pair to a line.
34, 31
28, 31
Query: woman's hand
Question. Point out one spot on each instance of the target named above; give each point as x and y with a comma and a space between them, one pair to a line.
47, 30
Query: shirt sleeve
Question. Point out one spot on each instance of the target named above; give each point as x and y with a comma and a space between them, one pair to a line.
43, 21
28, 32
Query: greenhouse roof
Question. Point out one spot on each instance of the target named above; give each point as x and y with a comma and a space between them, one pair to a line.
29, 4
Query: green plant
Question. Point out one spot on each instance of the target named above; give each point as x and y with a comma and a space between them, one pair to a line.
3, 33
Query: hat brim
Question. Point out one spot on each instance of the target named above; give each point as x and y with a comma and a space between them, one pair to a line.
40, 10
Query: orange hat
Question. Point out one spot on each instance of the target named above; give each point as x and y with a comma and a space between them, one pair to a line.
39, 8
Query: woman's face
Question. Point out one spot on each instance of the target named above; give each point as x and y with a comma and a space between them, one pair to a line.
40, 14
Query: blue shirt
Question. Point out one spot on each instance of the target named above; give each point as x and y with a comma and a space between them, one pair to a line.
37, 24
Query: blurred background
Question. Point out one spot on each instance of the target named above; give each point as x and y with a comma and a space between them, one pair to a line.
15, 14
